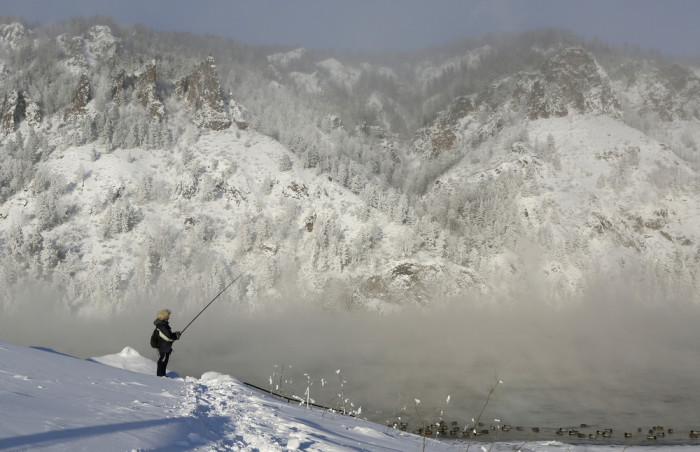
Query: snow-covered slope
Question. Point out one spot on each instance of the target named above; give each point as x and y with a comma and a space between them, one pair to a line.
577, 188
50, 401
55, 402
137, 185
201, 214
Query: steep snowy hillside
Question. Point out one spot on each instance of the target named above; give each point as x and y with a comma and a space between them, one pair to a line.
129, 171
586, 195
200, 214
547, 183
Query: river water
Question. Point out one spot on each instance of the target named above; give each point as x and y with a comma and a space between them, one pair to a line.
630, 368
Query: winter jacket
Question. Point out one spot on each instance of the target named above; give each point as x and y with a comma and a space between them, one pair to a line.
166, 334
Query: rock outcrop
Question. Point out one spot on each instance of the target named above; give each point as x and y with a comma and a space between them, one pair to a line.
239, 114
80, 99
12, 108
202, 91
412, 283
570, 81
17, 106
440, 134
120, 83
32, 111
145, 87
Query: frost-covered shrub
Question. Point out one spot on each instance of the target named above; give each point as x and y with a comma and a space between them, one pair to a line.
14, 246
49, 210
186, 186
149, 188
119, 217
42, 181
208, 188
285, 163
204, 229
247, 235
50, 255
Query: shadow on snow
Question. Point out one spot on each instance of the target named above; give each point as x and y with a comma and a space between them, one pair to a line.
73, 434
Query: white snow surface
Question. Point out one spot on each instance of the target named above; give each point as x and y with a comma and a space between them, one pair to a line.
52, 401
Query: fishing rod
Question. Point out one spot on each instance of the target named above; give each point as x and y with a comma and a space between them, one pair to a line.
213, 300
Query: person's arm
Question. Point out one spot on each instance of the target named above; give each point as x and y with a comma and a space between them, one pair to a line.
166, 334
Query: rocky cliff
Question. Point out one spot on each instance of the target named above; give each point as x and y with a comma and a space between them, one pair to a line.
79, 100
145, 86
570, 81
202, 92
17, 106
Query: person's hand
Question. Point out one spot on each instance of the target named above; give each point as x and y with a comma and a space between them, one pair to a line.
177, 334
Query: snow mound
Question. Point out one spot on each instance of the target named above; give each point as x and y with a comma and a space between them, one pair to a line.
128, 359
216, 377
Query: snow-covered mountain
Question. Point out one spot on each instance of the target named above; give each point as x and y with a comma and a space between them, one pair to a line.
131, 170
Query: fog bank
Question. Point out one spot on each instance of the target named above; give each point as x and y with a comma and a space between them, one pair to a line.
599, 360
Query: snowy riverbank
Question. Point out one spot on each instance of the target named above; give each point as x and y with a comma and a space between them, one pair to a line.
52, 401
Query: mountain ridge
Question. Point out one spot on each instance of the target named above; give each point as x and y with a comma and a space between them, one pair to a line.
533, 179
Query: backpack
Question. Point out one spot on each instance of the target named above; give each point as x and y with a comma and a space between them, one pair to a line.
155, 338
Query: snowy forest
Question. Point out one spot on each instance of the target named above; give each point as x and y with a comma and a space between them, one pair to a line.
482, 168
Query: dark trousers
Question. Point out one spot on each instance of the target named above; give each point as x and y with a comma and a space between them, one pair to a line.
162, 364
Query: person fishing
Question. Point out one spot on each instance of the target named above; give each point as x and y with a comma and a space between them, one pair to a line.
167, 337
163, 341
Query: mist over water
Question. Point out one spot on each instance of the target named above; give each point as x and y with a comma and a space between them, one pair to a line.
608, 361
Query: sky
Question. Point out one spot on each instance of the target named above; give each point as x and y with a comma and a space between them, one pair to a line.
668, 26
